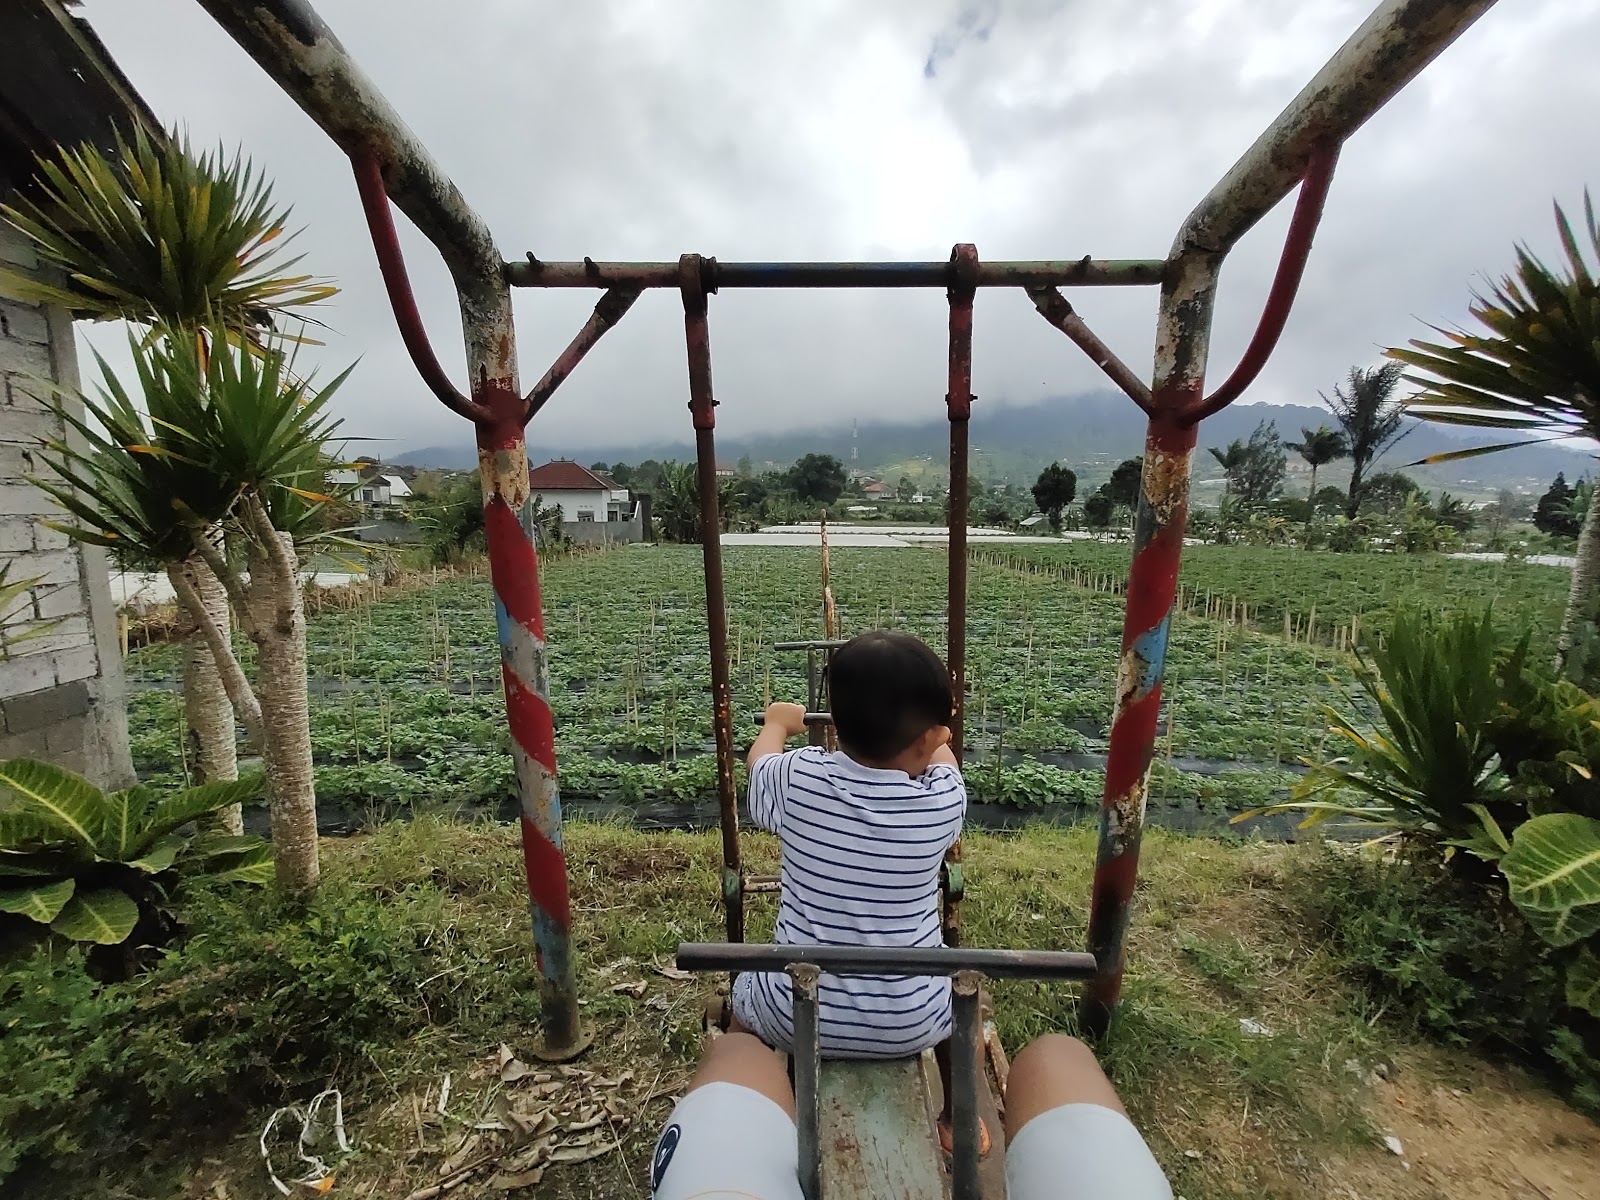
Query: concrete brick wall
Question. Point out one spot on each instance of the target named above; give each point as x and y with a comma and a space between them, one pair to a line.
62, 694
602, 533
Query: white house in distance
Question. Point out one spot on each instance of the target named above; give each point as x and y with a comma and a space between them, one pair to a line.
369, 490
384, 489
581, 494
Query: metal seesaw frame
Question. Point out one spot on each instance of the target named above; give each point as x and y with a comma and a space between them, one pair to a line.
298, 50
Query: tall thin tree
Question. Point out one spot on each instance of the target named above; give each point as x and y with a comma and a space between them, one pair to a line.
1231, 459
1372, 419
219, 433
1319, 447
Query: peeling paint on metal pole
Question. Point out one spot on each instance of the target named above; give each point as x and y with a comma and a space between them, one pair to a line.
508, 509
1181, 346
299, 50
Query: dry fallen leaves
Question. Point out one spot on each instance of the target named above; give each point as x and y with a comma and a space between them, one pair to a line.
529, 1121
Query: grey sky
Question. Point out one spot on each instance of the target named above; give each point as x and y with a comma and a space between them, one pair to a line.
630, 129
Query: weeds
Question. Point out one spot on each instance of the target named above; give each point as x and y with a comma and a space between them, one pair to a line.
1450, 956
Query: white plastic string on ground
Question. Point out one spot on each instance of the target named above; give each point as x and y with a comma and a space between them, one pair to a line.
319, 1176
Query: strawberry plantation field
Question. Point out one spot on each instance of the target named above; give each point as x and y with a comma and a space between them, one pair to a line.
407, 709
1314, 594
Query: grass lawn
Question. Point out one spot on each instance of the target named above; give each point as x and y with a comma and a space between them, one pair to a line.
1294, 1105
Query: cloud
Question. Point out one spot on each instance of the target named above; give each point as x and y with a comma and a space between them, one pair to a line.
972, 22
633, 130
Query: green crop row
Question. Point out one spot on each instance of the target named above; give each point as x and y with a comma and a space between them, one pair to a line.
406, 699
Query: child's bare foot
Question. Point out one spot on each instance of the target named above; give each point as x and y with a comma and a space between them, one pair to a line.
947, 1137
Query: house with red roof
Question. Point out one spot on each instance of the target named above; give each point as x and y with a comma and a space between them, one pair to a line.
582, 495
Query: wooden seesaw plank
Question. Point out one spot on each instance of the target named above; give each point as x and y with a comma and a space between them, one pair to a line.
878, 1132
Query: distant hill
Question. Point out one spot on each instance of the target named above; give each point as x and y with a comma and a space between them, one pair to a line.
1089, 433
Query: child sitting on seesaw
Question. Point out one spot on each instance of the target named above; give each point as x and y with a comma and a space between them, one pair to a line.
863, 833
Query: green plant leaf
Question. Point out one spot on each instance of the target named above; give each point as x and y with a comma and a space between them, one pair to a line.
1491, 827
1554, 872
1583, 982
124, 813
251, 866
158, 231
159, 856
209, 845
71, 805
106, 916
34, 864
40, 903
178, 810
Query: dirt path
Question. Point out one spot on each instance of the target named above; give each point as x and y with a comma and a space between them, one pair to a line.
1471, 1132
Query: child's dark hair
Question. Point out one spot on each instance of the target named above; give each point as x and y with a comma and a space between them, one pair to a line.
886, 689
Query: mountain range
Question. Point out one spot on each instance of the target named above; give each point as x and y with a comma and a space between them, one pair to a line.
1089, 432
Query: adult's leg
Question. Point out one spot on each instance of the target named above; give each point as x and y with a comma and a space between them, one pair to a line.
734, 1132
1068, 1136
745, 1060
1053, 1071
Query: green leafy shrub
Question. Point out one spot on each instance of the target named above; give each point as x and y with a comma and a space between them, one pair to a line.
58, 1054
266, 996
265, 1000
1453, 957
1478, 752
96, 866
1431, 771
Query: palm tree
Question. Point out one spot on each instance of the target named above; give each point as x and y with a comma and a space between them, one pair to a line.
160, 235
189, 246
1370, 418
676, 503
1232, 461
221, 434
1318, 447
1534, 367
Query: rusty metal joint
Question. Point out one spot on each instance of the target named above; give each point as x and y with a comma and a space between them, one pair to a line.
691, 283
692, 270
1058, 310
960, 294
963, 273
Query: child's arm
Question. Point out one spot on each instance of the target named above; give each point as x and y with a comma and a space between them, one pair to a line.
784, 721
944, 756
768, 765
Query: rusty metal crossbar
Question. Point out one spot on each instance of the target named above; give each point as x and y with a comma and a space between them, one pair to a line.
1080, 272
298, 50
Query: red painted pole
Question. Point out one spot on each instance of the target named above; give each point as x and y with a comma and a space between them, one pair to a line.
514, 568
958, 407
1152, 587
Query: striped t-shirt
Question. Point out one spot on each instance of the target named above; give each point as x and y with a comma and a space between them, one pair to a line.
861, 854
